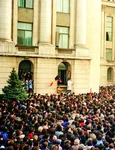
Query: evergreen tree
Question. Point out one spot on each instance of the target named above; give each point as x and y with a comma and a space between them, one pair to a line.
14, 90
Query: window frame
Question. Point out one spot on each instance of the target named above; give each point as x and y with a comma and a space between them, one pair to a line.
109, 54
110, 74
25, 30
109, 26
60, 5
25, 4
60, 37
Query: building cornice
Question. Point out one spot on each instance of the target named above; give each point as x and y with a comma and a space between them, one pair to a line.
42, 56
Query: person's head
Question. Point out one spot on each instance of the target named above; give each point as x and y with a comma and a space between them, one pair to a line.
35, 148
89, 141
106, 144
59, 128
111, 145
16, 146
54, 147
26, 147
76, 142
45, 144
67, 144
99, 137
81, 147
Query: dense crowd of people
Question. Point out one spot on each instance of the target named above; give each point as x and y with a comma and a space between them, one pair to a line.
59, 122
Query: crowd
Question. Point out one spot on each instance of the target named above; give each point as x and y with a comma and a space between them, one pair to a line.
59, 122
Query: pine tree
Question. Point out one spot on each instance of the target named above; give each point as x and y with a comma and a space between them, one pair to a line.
14, 90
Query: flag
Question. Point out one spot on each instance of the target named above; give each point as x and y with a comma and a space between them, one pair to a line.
52, 83
57, 78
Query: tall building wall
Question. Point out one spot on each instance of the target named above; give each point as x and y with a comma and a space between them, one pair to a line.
45, 57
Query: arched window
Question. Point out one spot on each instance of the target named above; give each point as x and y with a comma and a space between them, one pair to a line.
25, 73
110, 74
25, 67
63, 69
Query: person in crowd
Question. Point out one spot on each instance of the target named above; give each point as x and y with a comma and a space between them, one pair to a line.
69, 85
20, 74
30, 86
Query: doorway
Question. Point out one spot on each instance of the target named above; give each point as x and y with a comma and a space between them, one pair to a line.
64, 72
25, 73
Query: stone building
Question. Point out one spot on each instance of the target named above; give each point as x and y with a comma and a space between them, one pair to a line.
107, 51
69, 38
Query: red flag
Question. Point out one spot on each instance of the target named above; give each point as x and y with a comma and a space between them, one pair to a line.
52, 82
57, 78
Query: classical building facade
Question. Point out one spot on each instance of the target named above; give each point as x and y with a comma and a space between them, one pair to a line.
69, 38
107, 55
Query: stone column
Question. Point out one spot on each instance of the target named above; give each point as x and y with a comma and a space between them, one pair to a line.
5, 19
81, 22
45, 21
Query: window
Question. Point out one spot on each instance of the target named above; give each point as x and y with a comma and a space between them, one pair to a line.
108, 54
24, 34
109, 22
25, 3
110, 74
62, 37
63, 6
